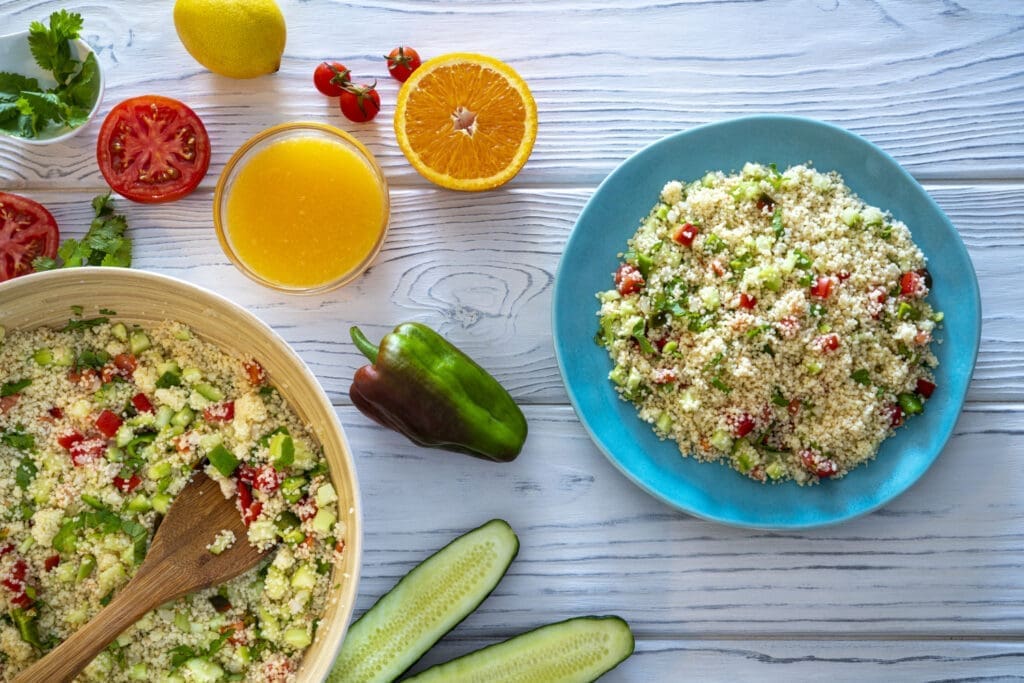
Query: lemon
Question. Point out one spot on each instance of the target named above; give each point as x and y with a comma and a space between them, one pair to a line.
235, 38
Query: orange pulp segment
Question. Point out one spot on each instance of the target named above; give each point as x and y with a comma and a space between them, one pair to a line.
466, 121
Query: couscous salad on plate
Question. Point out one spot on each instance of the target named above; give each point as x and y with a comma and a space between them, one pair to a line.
771, 321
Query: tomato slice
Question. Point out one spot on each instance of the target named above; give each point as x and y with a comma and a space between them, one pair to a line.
27, 230
153, 149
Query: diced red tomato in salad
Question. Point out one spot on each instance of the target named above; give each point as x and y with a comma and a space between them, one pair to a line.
895, 414
828, 342
69, 439
127, 485
628, 279
220, 412
56, 412
742, 425
50, 563
925, 388
126, 363
747, 301
250, 513
267, 479
108, 423
87, 450
142, 403
822, 287
818, 464
685, 234
912, 284
257, 375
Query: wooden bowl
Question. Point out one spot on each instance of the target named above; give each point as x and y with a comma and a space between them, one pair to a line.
45, 299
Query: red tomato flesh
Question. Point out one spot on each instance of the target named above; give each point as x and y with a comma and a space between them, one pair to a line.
108, 423
747, 301
27, 230
822, 287
87, 451
153, 149
220, 412
925, 388
69, 439
628, 279
685, 234
912, 284
142, 403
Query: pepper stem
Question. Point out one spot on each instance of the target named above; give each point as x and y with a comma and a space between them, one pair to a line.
368, 348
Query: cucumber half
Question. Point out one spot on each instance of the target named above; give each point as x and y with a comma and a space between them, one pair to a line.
573, 651
428, 602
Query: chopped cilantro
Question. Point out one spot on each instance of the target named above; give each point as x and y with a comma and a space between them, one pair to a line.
861, 376
26, 108
83, 323
103, 245
15, 438
11, 388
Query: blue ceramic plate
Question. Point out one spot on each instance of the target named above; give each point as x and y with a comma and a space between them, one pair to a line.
714, 491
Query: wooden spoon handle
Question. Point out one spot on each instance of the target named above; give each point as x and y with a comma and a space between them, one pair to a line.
68, 659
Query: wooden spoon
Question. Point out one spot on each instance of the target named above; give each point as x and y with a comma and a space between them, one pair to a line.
177, 563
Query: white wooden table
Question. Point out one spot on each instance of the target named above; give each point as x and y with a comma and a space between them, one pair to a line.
929, 588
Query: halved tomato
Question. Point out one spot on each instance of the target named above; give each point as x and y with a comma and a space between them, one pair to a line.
27, 230
153, 149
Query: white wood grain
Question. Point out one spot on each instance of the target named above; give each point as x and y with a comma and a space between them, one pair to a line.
840, 661
936, 84
944, 559
480, 268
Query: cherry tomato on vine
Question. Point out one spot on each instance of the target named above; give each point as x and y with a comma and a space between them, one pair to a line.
402, 61
27, 230
153, 149
330, 78
360, 103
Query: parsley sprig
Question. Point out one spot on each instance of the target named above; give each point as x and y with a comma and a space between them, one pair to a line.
103, 245
26, 108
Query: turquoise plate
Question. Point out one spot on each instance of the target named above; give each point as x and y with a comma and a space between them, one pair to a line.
713, 491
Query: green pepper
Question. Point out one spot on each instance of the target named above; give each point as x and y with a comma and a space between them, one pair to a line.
423, 387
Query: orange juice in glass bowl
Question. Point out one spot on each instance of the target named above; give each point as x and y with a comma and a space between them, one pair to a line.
302, 208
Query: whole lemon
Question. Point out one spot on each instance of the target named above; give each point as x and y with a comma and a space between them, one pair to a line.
235, 38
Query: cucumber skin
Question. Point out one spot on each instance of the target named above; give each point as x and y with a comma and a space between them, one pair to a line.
342, 670
466, 669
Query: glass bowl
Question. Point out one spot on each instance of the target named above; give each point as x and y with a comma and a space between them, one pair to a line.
355, 249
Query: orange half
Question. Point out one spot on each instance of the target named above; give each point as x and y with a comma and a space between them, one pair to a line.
466, 121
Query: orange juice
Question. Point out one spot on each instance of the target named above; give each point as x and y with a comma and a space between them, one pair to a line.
304, 210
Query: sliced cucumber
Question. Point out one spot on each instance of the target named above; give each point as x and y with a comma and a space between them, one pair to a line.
430, 601
573, 651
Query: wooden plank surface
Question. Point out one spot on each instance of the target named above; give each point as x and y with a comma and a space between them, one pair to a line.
929, 588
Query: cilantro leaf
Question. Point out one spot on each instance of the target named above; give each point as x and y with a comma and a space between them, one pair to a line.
42, 107
11, 86
83, 89
50, 45
78, 83
104, 244
74, 253
103, 204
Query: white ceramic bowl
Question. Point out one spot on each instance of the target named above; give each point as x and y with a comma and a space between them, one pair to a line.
44, 299
15, 57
